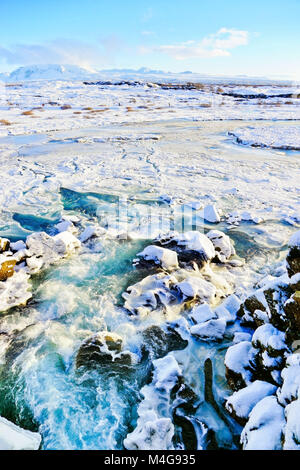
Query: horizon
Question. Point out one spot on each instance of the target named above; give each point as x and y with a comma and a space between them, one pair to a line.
218, 40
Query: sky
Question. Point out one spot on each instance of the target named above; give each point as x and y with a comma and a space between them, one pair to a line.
216, 37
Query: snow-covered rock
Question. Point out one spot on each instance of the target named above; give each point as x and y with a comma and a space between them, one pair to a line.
44, 250
167, 259
15, 291
196, 288
237, 363
222, 243
243, 401
210, 330
13, 437
202, 313
264, 430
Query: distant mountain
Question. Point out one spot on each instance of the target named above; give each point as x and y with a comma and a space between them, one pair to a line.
50, 72
144, 74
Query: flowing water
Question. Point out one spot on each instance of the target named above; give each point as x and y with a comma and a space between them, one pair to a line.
95, 408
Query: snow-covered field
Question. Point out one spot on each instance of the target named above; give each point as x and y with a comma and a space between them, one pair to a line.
165, 205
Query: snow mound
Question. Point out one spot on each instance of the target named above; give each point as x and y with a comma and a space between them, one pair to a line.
276, 137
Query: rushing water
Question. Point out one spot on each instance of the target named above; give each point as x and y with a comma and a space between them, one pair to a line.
95, 408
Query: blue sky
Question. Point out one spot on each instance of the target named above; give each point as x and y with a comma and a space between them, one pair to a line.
231, 37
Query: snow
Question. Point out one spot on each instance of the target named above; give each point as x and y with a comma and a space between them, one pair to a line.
295, 239
268, 337
271, 136
264, 430
202, 313
154, 429
211, 329
242, 402
237, 359
194, 287
292, 427
13, 437
15, 291
290, 388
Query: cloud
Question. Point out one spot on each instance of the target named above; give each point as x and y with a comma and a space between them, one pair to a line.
214, 45
63, 51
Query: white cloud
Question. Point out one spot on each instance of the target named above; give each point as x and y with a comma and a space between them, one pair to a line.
214, 45
63, 51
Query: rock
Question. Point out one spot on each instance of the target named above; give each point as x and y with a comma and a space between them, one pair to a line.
238, 363
13, 437
160, 342
293, 257
222, 243
157, 256
292, 311
241, 403
15, 291
268, 338
190, 246
4, 244
212, 330
104, 348
295, 282
6, 267
264, 430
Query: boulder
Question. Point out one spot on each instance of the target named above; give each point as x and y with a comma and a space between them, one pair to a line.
7, 265
104, 348
156, 256
238, 363
222, 243
293, 257
241, 403
4, 244
264, 430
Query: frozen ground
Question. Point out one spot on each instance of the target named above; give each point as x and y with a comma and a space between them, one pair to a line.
119, 165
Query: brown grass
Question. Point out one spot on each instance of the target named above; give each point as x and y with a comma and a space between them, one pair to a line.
88, 108
205, 105
4, 122
77, 112
66, 106
27, 113
129, 109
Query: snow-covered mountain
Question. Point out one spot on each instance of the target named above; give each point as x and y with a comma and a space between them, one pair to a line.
50, 72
